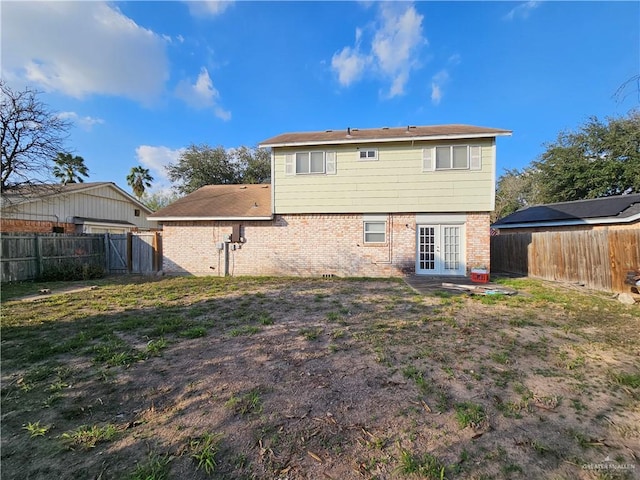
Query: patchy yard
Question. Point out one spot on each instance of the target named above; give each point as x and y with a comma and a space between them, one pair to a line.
246, 378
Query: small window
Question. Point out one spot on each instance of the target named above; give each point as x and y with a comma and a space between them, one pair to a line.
375, 232
136, 212
369, 154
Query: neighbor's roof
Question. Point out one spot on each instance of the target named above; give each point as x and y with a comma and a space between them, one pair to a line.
220, 202
385, 134
616, 209
31, 193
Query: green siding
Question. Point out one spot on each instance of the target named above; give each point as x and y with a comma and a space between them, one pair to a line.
394, 183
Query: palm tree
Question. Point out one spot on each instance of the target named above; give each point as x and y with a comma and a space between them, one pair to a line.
70, 169
139, 179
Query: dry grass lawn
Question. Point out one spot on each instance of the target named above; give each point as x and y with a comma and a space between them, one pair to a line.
279, 378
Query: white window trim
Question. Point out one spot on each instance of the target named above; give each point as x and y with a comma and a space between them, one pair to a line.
367, 158
309, 152
364, 232
474, 158
329, 160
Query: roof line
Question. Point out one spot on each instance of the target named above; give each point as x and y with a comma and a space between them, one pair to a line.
199, 219
558, 223
456, 136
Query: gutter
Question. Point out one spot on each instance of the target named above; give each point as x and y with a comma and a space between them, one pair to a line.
200, 219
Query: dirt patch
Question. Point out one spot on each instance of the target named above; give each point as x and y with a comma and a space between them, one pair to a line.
306, 379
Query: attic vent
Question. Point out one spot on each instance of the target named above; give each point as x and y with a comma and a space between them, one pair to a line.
385, 128
355, 129
328, 131
327, 275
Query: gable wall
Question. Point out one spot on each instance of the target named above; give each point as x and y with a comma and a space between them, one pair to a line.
393, 183
103, 202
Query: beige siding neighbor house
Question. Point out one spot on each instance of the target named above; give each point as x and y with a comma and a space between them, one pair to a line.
370, 202
96, 207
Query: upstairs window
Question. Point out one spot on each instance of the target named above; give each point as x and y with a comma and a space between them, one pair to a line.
306, 163
452, 157
309, 162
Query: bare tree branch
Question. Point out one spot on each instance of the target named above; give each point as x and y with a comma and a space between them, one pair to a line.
31, 135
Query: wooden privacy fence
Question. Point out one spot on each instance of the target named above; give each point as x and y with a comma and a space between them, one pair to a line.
599, 259
26, 256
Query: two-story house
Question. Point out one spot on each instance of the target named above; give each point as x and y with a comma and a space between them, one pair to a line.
352, 202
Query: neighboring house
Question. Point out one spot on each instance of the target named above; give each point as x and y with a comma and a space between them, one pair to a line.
591, 242
620, 211
96, 207
353, 202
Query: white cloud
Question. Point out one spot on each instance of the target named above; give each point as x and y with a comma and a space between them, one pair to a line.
349, 64
86, 123
157, 158
80, 49
522, 11
202, 94
393, 50
440, 79
208, 8
437, 83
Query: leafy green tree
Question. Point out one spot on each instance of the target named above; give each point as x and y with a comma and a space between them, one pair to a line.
201, 165
515, 189
157, 200
69, 168
255, 164
599, 160
31, 136
139, 179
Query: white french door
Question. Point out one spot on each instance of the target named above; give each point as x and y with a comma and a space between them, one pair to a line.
439, 250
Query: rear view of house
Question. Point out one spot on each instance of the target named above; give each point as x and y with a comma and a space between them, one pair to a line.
352, 202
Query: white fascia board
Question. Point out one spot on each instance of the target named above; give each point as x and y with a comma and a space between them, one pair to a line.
568, 223
98, 223
207, 219
385, 140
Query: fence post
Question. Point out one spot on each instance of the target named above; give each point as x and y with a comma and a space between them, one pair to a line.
38, 251
129, 252
107, 254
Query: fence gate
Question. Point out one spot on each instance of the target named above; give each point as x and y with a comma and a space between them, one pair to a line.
134, 252
117, 249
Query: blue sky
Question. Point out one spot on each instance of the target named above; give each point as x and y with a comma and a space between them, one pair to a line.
142, 80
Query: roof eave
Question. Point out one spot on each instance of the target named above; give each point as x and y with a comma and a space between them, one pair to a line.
347, 141
202, 219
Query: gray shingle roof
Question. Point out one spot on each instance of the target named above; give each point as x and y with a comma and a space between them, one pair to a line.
619, 206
